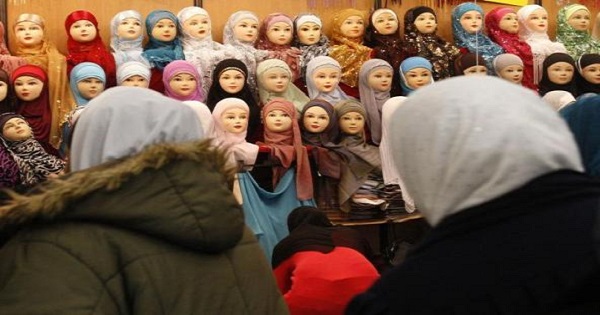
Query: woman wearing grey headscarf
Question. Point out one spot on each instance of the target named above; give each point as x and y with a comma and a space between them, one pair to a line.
145, 223
497, 174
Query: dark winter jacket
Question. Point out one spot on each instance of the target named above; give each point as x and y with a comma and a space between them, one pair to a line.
155, 233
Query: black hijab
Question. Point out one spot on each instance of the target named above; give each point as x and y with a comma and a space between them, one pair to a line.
583, 85
546, 85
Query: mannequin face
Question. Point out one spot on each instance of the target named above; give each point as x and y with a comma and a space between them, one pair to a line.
28, 88
276, 80
246, 30
426, 23
235, 120
164, 30
353, 27
315, 119
197, 26
418, 77
386, 23
380, 79
16, 129
512, 73
83, 31
280, 33
3, 90
476, 70
591, 73
352, 123
232, 81
471, 21
29, 34
90, 88
537, 21
326, 79
278, 121
136, 80
560, 73
129, 29
580, 20
509, 23
183, 84
309, 33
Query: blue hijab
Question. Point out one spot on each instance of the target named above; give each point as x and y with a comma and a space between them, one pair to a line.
82, 71
161, 53
477, 43
409, 64
583, 118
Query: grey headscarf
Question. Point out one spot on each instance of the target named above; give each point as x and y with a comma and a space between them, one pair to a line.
373, 100
122, 121
469, 146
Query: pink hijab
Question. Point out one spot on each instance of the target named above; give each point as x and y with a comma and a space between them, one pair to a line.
181, 66
234, 143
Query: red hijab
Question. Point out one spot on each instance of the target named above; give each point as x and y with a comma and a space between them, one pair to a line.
94, 51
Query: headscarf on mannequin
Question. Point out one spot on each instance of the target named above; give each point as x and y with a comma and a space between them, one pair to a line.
501, 137
7, 62
409, 64
9, 102
576, 42
125, 50
287, 53
583, 85
372, 99
177, 67
546, 85
511, 43
46, 56
432, 47
477, 43
85, 70
292, 93
327, 160
332, 97
349, 52
158, 52
93, 51
131, 68
466, 61
309, 52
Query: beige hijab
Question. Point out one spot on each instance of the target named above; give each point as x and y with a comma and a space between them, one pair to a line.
464, 141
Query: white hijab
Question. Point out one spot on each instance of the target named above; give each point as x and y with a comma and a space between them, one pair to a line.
122, 121
464, 141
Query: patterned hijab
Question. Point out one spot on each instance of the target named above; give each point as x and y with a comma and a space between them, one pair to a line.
432, 47
7, 62
187, 40
546, 85
409, 64
583, 118
511, 43
291, 93
309, 52
332, 97
158, 52
474, 124
583, 85
229, 33
287, 147
125, 50
576, 42
477, 43
349, 52
177, 67
287, 53
85, 70
94, 51
122, 121
234, 143
371, 99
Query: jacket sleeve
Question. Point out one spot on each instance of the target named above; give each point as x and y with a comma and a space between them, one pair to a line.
41, 278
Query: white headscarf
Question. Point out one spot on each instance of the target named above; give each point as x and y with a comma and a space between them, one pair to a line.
388, 167
464, 141
558, 99
131, 68
122, 121
123, 49
333, 97
203, 113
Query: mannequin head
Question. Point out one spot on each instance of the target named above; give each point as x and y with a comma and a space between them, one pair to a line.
277, 120
29, 30
380, 79
315, 119
246, 30
351, 117
133, 73
232, 80
579, 19
418, 77
83, 31
353, 27
426, 23
15, 128
589, 68
537, 21
560, 72
28, 88
509, 67
308, 29
182, 81
129, 29
278, 29
197, 26
476, 70
471, 21
3, 90
165, 30
183, 84
235, 120
326, 78
276, 80
415, 73
509, 23
385, 21
470, 64
87, 81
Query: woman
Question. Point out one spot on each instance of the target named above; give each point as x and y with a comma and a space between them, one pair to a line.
497, 174
146, 222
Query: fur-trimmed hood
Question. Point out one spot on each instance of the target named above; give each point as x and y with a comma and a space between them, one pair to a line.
175, 192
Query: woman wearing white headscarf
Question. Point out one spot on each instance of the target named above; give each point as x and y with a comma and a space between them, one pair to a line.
146, 223
497, 174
